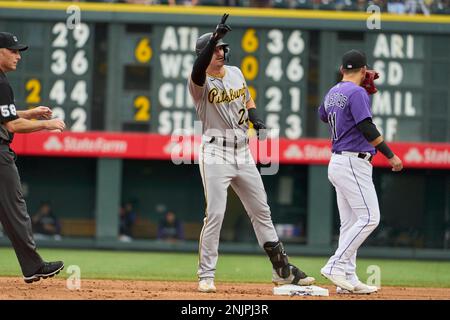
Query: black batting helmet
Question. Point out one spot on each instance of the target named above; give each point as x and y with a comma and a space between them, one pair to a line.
203, 40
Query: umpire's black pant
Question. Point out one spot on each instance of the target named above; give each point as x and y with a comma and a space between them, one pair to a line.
13, 214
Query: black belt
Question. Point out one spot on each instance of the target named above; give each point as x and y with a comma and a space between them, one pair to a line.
227, 143
362, 155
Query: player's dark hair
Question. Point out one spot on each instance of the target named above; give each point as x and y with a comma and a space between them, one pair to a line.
351, 71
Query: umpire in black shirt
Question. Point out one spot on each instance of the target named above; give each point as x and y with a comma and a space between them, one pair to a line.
13, 210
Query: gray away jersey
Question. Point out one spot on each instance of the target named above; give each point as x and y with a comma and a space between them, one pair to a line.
221, 104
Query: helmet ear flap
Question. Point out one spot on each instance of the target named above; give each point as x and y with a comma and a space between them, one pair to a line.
226, 53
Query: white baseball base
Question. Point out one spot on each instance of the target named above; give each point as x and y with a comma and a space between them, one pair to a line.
293, 290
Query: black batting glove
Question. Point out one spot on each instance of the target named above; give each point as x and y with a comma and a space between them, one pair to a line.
221, 29
261, 130
258, 124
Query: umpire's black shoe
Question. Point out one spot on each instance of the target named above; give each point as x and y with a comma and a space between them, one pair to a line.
49, 269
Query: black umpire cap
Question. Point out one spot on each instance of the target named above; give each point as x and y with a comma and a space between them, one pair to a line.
354, 59
10, 41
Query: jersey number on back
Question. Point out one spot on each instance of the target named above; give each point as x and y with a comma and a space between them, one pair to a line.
332, 122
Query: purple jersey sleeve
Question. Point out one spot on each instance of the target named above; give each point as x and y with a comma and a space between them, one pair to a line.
322, 113
359, 104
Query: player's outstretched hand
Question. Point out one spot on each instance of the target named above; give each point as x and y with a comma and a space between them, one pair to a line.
396, 163
222, 28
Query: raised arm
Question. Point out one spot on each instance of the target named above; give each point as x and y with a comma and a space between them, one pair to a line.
204, 57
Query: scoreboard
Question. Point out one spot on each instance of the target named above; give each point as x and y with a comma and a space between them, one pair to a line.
273, 61
135, 72
56, 70
154, 64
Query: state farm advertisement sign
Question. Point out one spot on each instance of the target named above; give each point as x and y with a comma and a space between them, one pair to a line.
305, 152
427, 156
75, 144
184, 149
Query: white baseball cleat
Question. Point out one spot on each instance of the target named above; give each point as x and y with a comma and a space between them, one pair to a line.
360, 288
339, 281
206, 285
306, 281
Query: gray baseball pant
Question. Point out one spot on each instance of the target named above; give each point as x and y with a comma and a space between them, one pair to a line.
221, 167
14, 216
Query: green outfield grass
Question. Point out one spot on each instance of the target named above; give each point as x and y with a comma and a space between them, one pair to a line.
231, 268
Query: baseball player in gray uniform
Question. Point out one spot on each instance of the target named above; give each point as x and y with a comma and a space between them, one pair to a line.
224, 106
355, 140
13, 210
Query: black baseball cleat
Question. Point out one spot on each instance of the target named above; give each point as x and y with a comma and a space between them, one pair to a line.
48, 270
293, 276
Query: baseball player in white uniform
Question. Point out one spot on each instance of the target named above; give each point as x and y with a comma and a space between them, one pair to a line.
224, 106
355, 140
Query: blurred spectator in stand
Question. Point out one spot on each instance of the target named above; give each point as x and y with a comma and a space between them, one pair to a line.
411, 7
170, 228
396, 6
183, 2
147, 2
393, 6
127, 217
222, 3
342, 4
382, 4
361, 5
230, 3
45, 224
261, 3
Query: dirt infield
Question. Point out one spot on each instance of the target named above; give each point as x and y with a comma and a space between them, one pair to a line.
55, 289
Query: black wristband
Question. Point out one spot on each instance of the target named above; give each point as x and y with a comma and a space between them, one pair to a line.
253, 115
384, 149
